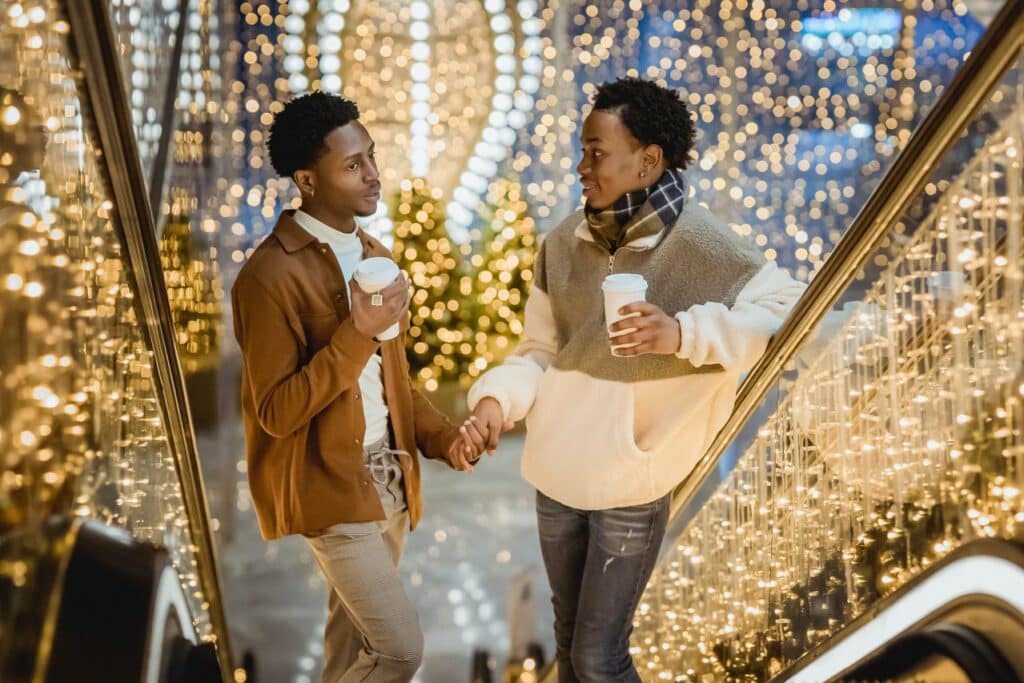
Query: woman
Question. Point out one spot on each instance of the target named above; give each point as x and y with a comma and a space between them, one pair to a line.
609, 435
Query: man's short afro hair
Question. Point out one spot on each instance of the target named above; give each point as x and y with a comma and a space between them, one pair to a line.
299, 130
653, 114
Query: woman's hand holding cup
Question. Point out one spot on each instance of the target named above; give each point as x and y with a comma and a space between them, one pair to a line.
645, 328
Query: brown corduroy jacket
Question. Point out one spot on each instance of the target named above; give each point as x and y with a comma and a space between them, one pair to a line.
301, 403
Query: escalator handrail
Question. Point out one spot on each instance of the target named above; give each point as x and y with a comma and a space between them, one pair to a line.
967, 648
994, 54
965, 574
94, 43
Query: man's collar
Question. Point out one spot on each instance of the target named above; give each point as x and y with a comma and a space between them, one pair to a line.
293, 236
290, 234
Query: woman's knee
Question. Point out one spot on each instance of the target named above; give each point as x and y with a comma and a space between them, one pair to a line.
601, 664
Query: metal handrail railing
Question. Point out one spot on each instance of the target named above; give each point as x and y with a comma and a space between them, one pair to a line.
991, 58
95, 45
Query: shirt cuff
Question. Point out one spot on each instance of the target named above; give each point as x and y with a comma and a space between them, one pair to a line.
352, 342
475, 397
686, 335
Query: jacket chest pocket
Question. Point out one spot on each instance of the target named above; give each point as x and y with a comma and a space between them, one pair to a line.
318, 330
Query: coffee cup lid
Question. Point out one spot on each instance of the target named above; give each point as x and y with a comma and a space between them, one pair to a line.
375, 265
624, 282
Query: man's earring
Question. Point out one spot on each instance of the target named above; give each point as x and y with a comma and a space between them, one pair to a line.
311, 193
643, 173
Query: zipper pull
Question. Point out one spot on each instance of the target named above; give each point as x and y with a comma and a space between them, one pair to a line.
611, 263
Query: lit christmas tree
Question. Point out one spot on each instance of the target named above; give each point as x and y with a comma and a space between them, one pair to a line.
503, 271
441, 333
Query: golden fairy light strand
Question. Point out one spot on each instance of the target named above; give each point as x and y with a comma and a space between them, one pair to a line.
901, 438
80, 425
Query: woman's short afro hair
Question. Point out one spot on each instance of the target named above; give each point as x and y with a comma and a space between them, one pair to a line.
299, 130
653, 114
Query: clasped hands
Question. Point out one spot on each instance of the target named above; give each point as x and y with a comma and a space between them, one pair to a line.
648, 329
480, 432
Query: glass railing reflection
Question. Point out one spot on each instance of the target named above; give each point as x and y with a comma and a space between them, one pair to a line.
147, 32
81, 426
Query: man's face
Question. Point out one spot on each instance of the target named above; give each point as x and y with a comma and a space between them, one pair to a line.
345, 177
612, 160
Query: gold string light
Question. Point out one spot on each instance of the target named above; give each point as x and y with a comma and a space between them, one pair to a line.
503, 272
145, 33
190, 239
421, 75
440, 344
799, 112
901, 440
80, 424
193, 288
467, 306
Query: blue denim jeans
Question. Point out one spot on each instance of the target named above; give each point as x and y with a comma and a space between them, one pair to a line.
598, 563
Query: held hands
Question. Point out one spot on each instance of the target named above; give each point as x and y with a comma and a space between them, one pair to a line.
370, 320
480, 432
460, 457
653, 330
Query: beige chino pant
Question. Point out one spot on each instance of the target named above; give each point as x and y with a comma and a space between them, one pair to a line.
373, 633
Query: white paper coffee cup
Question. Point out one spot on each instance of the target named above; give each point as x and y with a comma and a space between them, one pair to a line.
621, 289
373, 275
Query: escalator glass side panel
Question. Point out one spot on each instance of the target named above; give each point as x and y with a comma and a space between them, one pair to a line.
81, 430
894, 437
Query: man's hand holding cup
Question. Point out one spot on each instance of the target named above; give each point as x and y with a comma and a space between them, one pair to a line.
380, 297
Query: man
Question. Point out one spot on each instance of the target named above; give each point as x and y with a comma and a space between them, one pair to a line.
332, 420
613, 425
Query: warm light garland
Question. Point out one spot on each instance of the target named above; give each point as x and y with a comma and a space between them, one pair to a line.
901, 438
146, 34
80, 425
502, 272
800, 108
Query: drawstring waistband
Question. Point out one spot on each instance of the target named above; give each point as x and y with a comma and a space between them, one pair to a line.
386, 472
381, 460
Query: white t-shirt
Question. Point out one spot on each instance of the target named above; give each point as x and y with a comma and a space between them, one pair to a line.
349, 251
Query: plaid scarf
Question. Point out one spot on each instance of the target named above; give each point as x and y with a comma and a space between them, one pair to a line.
640, 213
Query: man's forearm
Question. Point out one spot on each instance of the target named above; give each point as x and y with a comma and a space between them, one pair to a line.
286, 404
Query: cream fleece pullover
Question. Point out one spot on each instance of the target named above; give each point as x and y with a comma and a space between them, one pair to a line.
605, 431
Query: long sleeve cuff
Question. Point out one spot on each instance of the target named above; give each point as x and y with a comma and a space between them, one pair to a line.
482, 390
686, 334
353, 343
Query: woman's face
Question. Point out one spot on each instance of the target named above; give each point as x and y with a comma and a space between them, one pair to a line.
613, 160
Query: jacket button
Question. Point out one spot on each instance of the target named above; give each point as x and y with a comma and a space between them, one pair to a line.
357, 395
366, 483
357, 442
